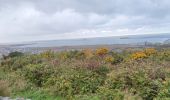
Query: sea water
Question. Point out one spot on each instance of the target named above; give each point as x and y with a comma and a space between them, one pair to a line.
136, 39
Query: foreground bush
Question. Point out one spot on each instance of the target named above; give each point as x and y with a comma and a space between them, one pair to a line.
37, 74
143, 79
76, 81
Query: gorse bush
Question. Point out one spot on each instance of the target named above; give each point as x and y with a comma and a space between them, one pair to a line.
109, 59
150, 51
102, 51
144, 53
133, 74
138, 55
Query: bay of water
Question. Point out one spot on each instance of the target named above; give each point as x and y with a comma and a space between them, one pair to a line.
138, 39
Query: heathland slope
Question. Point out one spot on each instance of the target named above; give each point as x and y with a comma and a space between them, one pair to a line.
98, 74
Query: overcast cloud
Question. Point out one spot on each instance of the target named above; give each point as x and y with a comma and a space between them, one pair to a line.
29, 20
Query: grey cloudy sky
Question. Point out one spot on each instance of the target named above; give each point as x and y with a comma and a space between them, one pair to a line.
29, 20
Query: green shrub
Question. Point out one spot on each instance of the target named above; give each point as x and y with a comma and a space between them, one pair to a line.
118, 58
19, 62
102, 70
13, 54
137, 79
37, 74
86, 82
163, 55
110, 94
74, 82
165, 91
36, 94
62, 87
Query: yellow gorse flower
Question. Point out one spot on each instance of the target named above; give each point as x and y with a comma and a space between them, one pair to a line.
138, 55
102, 51
109, 59
150, 51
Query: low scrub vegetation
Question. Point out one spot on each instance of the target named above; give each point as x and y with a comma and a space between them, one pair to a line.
101, 74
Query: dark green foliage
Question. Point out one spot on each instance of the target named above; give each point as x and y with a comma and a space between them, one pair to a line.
13, 54
110, 94
37, 74
117, 57
74, 82
143, 81
102, 70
